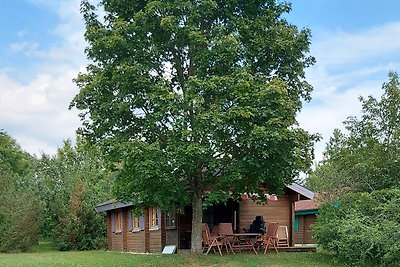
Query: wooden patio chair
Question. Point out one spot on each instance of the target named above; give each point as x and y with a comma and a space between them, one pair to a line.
270, 237
210, 242
283, 236
226, 232
214, 231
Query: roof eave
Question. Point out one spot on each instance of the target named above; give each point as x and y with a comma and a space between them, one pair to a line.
301, 190
112, 206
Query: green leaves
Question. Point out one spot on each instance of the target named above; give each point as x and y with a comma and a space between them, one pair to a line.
70, 184
363, 229
365, 158
19, 207
184, 96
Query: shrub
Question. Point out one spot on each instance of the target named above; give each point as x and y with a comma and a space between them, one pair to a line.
362, 228
80, 227
19, 215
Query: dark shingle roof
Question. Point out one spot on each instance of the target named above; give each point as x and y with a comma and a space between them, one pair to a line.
301, 190
111, 205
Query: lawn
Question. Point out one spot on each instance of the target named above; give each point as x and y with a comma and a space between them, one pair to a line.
45, 256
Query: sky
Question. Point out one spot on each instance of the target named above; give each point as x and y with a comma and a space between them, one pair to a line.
355, 42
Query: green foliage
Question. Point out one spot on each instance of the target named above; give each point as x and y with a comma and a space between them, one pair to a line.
188, 96
72, 183
19, 205
366, 158
19, 221
362, 228
191, 95
12, 157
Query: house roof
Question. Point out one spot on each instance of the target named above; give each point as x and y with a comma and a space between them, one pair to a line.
301, 190
310, 204
112, 205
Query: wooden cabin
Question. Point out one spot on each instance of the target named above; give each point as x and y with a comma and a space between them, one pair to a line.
305, 216
151, 231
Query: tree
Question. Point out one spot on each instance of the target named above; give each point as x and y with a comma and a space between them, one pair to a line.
193, 96
19, 207
366, 157
71, 183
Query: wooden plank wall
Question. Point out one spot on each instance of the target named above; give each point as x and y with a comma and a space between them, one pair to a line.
277, 211
155, 241
116, 241
136, 241
126, 240
146, 231
125, 230
309, 220
109, 231
304, 234
298, 235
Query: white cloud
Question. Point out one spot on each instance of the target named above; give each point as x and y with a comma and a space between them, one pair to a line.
341, 47
29, 48
22, 33
36, 112
348, 65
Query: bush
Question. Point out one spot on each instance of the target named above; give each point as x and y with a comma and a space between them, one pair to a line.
80, 227
362, 228
19, 215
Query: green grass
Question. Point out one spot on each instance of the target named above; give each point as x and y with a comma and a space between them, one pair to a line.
44, 255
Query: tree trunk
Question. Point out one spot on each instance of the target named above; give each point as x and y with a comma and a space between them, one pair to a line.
197, 217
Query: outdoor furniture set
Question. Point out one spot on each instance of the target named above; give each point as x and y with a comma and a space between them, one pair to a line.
222, 238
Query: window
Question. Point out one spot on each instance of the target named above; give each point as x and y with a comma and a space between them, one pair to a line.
135, 222
154, 218
116, 220
170, 220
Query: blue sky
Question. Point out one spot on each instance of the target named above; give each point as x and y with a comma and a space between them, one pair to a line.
355, 42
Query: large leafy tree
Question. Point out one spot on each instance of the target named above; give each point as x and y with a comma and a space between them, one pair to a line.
365, 157
194, 96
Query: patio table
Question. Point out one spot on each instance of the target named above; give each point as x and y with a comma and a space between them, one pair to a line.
246, 237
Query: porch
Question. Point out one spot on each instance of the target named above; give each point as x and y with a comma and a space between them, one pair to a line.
241, 215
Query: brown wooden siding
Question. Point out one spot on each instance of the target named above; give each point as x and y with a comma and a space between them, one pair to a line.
277, 211
155, 241
116, 240
146, 231
304, 233
298, 234
163, 236
136, 241
125, 229
109, 231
